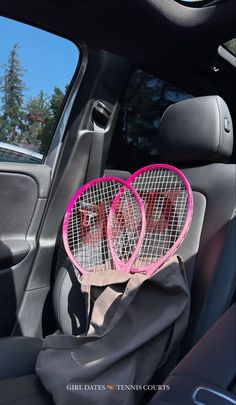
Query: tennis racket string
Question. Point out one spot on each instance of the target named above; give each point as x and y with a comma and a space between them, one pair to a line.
87, 232
165, 200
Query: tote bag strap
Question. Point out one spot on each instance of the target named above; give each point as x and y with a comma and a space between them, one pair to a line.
107, 296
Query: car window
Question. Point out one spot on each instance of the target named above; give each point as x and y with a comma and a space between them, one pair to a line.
36, 68
134, 141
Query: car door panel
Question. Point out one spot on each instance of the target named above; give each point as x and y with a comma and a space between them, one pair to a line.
24, 190
25, 299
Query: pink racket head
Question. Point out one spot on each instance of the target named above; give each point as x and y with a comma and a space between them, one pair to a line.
90, 240
168, 203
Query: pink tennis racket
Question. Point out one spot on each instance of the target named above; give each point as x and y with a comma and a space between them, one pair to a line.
104, 226
168, 203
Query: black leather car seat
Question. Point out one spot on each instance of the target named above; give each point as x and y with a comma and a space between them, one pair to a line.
196, 133
211, 382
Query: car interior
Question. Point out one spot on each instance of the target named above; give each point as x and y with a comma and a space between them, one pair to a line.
107, 125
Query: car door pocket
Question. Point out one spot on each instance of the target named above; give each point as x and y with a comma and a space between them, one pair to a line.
12, 252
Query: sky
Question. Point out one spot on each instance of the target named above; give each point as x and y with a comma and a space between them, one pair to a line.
49, 60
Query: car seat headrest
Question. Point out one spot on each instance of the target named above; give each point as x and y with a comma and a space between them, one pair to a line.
197, 129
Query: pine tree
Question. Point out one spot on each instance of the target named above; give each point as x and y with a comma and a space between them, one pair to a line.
55, 104
56, 100
37, 110
38, 106
12, 87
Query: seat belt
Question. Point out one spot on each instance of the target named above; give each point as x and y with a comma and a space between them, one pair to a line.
96, 159
100, 115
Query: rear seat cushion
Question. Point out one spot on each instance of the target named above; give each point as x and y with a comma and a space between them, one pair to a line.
18, 356
24, 390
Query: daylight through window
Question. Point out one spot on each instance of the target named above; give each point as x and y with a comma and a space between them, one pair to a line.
36, 68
